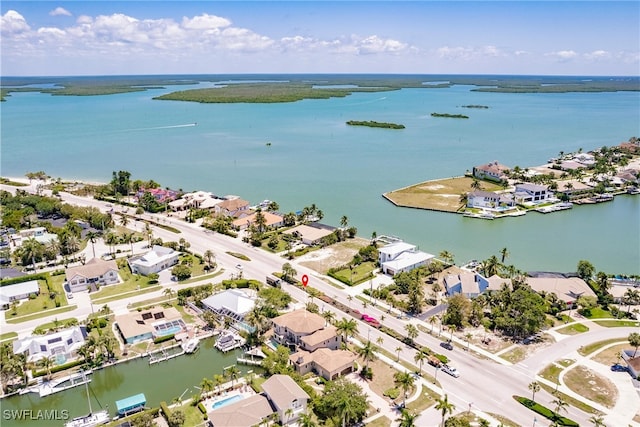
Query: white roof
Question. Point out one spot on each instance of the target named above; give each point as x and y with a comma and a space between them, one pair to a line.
235, 300
10, 291
155, 256
396, 248
407, 259
40, 345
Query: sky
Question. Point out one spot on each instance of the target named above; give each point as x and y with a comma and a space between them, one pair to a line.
64, 38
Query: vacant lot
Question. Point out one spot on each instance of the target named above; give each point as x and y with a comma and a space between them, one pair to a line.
440, 195
594, 387
332, 256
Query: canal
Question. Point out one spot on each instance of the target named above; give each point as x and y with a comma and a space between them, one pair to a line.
164, 381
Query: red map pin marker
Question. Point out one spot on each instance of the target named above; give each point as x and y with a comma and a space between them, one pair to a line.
305, 279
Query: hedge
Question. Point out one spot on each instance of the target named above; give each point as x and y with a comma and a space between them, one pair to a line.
165, 409
202, 408
163, 339
59, 368
21, 279
546, 412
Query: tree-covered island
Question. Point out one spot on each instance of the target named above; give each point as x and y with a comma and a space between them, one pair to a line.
450, 116
475, 106
373, 124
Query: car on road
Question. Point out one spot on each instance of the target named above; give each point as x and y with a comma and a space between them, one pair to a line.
447, 345
239, 266
451, 371
618, 368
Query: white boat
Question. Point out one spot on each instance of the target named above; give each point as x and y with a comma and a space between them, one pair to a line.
191, 346
92, 419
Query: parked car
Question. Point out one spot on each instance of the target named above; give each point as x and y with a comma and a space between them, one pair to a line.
447, 345
618, 368
451, 371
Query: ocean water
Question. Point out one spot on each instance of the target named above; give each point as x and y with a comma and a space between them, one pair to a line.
314, 157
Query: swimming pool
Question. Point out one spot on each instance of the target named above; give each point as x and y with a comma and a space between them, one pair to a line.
226, 401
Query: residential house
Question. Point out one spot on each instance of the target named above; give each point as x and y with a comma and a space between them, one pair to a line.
149, 324
40, 234
493, 171
329, 364
236, 208
480, 199
567, 289
632, 358
154, 261
631, 146
271, 220
532, 193
195, 200
287, 397
469, 284
17, 292
309, 235
232, 303
94, 273
586, 159
60, 346
248, 412
397, 257
160, 194
290, 329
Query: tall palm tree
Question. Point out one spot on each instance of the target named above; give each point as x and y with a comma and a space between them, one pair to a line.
91, 237
597, 421
218, 380
368, 353
407, 419
344, 221
420, 357
412, 331
233, 372
209, 258
468, 337
504, 253
32, 250
534, 387
405, 380
634, 341
559, 404
347, 327
329, 317
445, 407
398, 350
206, 385
432, 320
349, 298
128, 238
46, 363
306, 420
447, 257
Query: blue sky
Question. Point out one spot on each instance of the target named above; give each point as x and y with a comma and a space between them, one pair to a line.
414, 37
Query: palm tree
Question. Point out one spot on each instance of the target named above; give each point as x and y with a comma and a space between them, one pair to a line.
218, 380
490, 266
534, 387
468, 336
111, 239
412, 331
447, 257
329, 317
398, 350
379, 340
306, 420
560, 405
32, 249
209, 256
350, 298
597, 421
504, 253
128, 238
149, 232
432, 320
445, 406
405, 380
344, 221
168, 292
91, 237
206, 385
124, 219
368, 353
420, 357
347, 327
46, 363
634, 341
233, 373
288, 272
407, 419
313, 293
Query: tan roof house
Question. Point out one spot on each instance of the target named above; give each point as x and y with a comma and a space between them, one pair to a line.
271, 221
148, 324
288, 399
568, 289
309, 235
247, 412
94, 273
327, 363
291, 327
493, 171
231, 207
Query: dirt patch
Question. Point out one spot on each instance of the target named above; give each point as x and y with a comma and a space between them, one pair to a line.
382, 377
591, 385
332, 256
611, 355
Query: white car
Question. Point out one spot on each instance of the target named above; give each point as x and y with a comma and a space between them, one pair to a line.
451, 371
239, 266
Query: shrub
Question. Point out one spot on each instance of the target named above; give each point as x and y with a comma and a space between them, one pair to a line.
392, 393
546, 412
202, 408
163, 339
165, 409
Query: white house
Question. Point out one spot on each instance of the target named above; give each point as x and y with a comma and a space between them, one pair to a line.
233, 303
95, 272
480, 199
18, 291
40, 234
195, 200
60, 346
287, 397
154, 261
400, 256
532, 193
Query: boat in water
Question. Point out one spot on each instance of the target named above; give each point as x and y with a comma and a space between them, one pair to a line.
92, 418
191, 346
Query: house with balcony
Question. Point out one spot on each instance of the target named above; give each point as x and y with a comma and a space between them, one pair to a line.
287, 398
235, 208
493, 171
532, 193
400, 256
231, 303
329, 364
488, 200
94, 273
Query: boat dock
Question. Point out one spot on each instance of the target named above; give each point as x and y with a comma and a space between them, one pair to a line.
554, 208
163, 354
229, 341
256, 357
45, 388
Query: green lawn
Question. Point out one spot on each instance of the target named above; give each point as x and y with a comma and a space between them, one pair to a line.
131, 282
359, 274
588, 349
617, 323
203, 277
573, 329
116, 297
42, 301
41, 314
551, 373
9, 336
599, 313
239, 256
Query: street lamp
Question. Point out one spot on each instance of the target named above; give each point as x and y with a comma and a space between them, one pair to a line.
534, 421
435, 378
470, 404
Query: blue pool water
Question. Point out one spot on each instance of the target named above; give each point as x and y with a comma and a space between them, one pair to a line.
169, 331
60, 359
226, 401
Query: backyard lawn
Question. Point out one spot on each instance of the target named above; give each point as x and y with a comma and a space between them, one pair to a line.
358, 274
41, 302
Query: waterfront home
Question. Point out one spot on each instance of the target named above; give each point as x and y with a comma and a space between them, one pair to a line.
309, 235
154, 261
570, 165
17, 292
480, 199
586, 159
298, 327
567, 289
397, 257
532, 193
248, 412
632, 146
271, 220
288, 398
60, 346
232, 303
493, 171
472, 284
329, 364
160, 194
94, 273
149, 324
195, 200
232, 208
573, 188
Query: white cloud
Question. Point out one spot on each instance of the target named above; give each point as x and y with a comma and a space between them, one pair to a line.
469, 53
205, 22
597, 55
12, 23
374, 44
563, 55
60, 11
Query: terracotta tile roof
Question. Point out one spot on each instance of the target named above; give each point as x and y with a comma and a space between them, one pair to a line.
300, 321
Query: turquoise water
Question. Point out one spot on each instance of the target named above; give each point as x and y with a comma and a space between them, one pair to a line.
315, 157
226, 401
